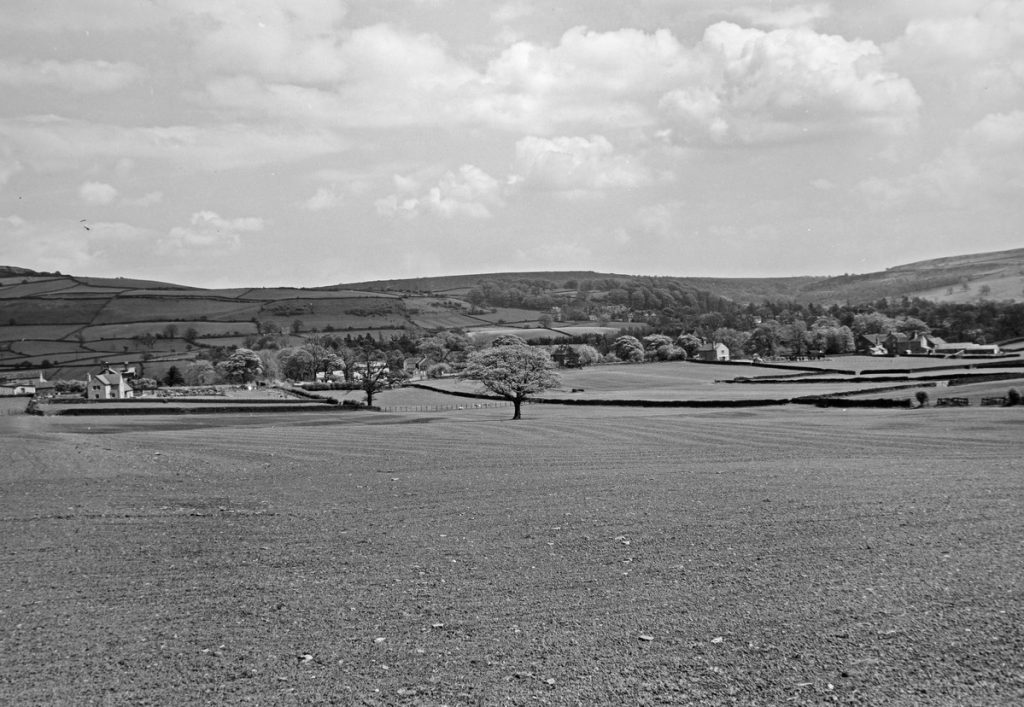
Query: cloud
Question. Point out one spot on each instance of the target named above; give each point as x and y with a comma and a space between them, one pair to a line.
386, 78
83, 16
8, 168
210, 233
789, 84
75, 76
148, 199
341, 184
511, 11
108, 247
994, 29
293, 40
50, 140
97, 193
574, 166
978, 55
735, 85
324, 198
794, 16
982, 166
605, 78
470, 192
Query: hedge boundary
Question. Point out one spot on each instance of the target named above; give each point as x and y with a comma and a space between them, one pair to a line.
185, 410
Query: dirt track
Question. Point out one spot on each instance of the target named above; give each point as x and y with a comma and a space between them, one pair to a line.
576, 557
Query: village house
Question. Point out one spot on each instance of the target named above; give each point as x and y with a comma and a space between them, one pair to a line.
891, 344
110, 384
713, 352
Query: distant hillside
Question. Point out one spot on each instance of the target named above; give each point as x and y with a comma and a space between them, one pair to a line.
736, 289
12, 271
67, 325
962, 278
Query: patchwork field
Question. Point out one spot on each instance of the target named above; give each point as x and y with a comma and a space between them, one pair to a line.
578, 556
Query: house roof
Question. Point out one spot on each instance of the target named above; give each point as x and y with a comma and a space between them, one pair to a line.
109, 377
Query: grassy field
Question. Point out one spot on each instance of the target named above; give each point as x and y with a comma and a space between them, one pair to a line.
576, 557
673, 380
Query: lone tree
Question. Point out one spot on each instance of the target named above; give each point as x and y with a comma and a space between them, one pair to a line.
513, 371
373, 372
174, 377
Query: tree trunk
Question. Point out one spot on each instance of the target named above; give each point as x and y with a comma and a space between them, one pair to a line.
516, 406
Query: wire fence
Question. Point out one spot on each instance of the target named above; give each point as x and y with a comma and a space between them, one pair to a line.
443, 408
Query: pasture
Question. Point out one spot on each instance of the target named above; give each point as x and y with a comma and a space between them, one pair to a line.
579, 556
688, 381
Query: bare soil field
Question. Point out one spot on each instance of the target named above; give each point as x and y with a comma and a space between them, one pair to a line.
584, 556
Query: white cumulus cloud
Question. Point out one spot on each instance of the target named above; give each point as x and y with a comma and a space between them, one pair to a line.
575, 165
789, 83
97, 193
209, 232
469, 192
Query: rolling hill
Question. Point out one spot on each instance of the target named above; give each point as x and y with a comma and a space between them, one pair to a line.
67, 325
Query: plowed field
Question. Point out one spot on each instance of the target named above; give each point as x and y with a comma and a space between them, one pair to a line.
579, 556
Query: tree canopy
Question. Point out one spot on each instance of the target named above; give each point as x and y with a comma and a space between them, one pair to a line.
514, 372
243, 366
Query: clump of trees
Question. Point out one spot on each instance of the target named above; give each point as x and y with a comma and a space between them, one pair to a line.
628, 348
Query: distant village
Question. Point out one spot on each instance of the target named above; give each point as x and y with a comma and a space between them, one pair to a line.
121, 381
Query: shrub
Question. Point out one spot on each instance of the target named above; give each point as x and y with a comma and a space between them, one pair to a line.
1013, 397
922, 398
438, 370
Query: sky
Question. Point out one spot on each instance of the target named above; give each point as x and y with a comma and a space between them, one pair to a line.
226, 143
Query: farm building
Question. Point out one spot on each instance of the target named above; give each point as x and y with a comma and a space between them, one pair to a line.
964, 348
891, 344
110, 384
19, 387
713, 352
926, 343
25, 386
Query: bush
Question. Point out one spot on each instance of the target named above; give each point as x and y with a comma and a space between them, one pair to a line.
66, 387
922, 398
438, 370
1013, 397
